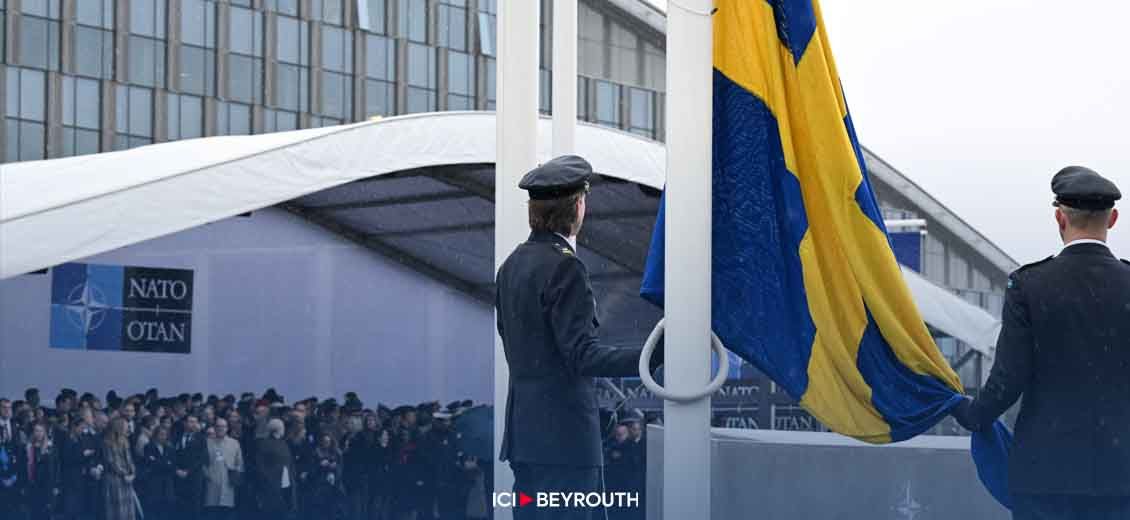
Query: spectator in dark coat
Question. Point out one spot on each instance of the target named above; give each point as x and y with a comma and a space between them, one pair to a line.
244, 499
276, 475
360, 461
325, 479
81, 453
301, 452
446, 486
157, 484
41, 488
410, 476
380, 476
13, 472
191, 457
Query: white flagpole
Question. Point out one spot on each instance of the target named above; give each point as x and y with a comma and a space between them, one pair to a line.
516, 154
686, 437
564, 76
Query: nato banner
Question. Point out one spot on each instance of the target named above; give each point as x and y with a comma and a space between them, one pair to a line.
113, 307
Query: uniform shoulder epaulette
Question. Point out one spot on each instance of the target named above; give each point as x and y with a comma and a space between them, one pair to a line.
566, 251
1033, 264
1012, 277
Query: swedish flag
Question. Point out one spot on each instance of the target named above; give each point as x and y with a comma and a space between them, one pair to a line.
805, 284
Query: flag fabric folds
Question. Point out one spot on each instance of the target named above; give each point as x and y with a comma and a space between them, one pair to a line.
805, 284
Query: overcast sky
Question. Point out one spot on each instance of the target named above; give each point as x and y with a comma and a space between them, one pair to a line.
980, 103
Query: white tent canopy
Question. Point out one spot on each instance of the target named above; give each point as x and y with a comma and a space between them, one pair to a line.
61, 210
952, 315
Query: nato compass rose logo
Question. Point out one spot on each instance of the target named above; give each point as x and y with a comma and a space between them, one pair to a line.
86, 307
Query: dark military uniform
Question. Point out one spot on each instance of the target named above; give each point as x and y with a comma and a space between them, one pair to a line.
1065, 346
547, 320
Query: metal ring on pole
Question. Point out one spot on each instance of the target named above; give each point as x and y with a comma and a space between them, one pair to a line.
649, 382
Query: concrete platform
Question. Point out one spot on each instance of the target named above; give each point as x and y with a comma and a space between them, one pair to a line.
778, 475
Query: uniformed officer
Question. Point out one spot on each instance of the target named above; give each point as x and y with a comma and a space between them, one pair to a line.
548, 324
1065, 346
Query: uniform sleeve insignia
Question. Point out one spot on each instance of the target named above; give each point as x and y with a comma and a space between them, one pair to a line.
567, 251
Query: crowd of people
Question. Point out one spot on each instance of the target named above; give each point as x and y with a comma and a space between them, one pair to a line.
190, 457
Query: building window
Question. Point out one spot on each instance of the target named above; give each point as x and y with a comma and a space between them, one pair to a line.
545, 92
245, 59
94, 39
3, 28
590, 33
608, 103
371, 15
287, 7
948, 346
934, 263
958, 272
413, 22
39, 34
198, 47
337, 73
380, 76
453, 24
147, 18
41, 8
996, 302
488, 24
492, 87
460, 81
185, 116
328, 11
545, 35
625, 55
279, 120
654, 68
969, 373
980, 281
82, 116
133, 113
320, 122
641, 106
146, 43
583, 99
233, 118
421, 78
26, 114
292, 91
146, 61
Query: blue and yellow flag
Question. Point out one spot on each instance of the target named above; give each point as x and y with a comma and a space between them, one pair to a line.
805, 284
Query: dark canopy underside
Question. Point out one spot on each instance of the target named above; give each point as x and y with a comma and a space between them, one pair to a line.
439, 221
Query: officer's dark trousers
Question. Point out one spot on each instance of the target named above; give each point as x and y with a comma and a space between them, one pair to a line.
1069, 507
534, 478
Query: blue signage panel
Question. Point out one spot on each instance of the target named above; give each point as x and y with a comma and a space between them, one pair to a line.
908, 248
113, 307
